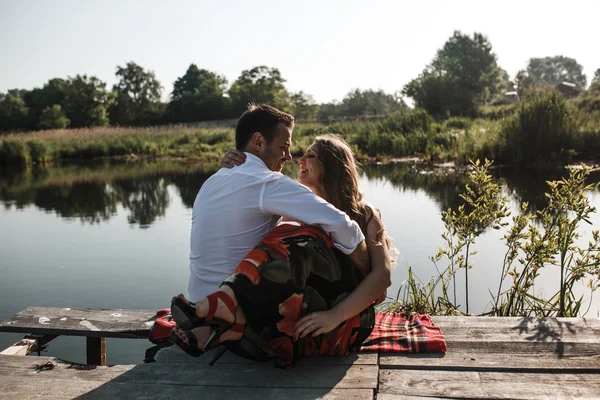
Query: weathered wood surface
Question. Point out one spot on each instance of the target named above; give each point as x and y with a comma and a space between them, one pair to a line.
21, 348
174, 354
489, 385
89, 322
63, 389
387, 396
516, 358
510, 344
515, 329
34, 376
493, 359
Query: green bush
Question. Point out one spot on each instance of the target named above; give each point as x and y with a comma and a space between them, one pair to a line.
417, 120
14, 152
498, 112
53, 117
39, 151
542, 130
459, 123
589, 103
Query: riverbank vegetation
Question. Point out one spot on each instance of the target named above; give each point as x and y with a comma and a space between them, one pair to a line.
545, 128
466, 107
534, 242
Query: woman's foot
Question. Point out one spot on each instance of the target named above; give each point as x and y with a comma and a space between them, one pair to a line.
220, 304
202, 333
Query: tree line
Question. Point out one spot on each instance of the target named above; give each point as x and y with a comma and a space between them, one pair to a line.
198, 95
462, 77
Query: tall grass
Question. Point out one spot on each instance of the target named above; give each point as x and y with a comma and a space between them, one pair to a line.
46, 146
546, 238
543, 129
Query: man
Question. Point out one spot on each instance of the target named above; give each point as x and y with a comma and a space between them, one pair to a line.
236, 208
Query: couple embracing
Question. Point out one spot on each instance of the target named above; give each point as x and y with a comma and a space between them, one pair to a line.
281, 269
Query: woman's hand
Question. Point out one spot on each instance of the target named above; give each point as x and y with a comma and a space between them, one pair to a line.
316, 323
381, 298
233, 158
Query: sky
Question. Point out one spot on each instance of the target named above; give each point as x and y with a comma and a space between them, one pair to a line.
322, 47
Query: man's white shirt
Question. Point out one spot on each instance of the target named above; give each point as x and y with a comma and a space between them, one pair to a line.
237, 207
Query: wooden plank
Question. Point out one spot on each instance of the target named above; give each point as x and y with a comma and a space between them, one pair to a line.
54, 368
174, 354
21, 348
518, 329
257, 375
95, 350
41, 388
229, 375
524, 322
90, 322
515, 356
387, 396
489, 385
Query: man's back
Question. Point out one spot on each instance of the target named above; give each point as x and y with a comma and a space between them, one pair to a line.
227, 222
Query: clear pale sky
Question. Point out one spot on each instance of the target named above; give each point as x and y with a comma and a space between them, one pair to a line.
322, 47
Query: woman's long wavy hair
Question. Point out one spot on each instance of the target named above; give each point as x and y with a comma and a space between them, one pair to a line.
339, 182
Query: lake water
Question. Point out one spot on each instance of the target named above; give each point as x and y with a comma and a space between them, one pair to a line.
116, 235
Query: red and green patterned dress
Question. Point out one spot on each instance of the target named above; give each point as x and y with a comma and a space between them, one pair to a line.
294, 271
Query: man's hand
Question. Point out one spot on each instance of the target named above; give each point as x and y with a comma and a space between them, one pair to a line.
316, 323
233, 158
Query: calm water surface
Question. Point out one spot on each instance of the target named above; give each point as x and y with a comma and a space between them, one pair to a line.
117, 236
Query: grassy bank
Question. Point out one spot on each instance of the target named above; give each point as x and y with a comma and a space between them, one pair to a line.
546, 128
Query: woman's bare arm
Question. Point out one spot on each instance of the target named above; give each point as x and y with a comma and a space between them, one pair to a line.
369, 290
233, 158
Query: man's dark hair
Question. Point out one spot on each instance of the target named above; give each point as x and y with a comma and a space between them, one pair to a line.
260, 118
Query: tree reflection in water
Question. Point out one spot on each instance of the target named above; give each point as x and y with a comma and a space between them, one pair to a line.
93, 193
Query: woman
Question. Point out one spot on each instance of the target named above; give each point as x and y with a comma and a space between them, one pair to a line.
294, 293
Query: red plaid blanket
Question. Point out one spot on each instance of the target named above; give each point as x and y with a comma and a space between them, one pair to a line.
401, 333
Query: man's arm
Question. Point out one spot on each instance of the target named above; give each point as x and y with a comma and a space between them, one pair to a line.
286, 197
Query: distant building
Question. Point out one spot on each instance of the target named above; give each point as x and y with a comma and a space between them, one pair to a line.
511, 97
568, 89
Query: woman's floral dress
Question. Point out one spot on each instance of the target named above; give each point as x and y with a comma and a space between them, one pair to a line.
294, 271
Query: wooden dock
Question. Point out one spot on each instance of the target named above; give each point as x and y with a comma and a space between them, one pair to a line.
487, 358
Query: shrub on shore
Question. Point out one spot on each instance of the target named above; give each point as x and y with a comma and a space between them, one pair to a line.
545, 128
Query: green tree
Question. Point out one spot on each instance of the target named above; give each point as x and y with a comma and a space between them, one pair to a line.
86, 101
358, 103
13, 113
523, 83
554, 70
198, 96
328, 112
39, 99
53, 117
259, 85
18, 93
596, 77
136, 96
463, 76
304, 106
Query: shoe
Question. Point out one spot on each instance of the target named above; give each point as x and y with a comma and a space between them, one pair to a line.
185, 316
219, 327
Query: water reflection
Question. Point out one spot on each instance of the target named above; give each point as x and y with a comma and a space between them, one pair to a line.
93, 193
442, 185
530, 185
